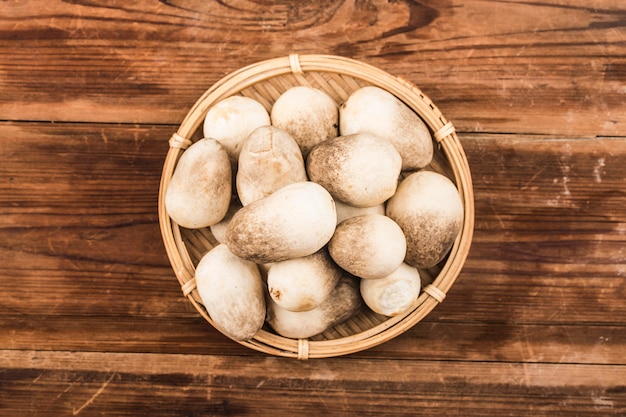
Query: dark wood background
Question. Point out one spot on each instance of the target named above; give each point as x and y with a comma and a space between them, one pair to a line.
92, 320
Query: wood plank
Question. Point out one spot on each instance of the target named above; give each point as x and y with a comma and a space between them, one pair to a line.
550, 231
79, 227
60, 383
548, 245
428, 340
92, 320
101, 173
556, 68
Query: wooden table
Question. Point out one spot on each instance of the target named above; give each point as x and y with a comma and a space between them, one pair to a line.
92, 319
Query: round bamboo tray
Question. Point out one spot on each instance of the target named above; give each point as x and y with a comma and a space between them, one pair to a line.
337, 76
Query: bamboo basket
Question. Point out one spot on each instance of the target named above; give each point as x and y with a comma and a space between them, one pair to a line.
338, 77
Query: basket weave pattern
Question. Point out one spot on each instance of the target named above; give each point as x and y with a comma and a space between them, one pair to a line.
338, 77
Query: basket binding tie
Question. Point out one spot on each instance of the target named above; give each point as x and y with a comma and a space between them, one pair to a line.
294, 63
303, 349
445, 131
189, 286
177, 141
435, 292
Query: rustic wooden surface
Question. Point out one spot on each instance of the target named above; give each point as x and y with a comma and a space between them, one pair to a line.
92, 321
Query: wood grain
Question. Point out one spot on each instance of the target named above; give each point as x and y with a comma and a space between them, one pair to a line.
520, 67
92, 319
549, 222
548, 247
213, 385
428, 340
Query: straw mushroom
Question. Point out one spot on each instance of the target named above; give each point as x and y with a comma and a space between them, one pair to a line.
294, 221
429, 210
342, 303
361, 170
369, 246
232, 292
393, 294
269, 159
377, 111
199, 192
231, 120
308, 114
302, 284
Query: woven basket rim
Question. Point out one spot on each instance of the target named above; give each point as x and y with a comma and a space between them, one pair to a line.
445, 138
